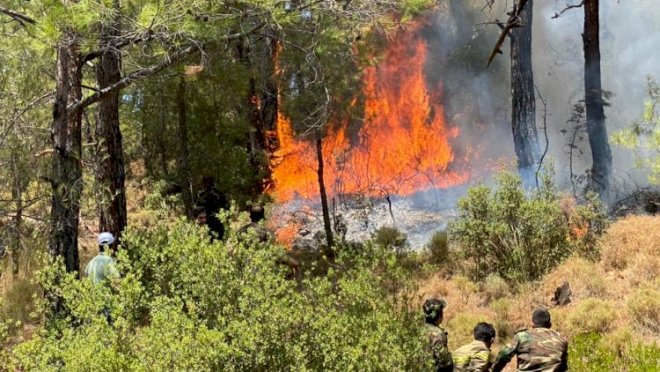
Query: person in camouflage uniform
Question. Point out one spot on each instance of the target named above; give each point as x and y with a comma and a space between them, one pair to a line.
539, 349
436, 337
476, 356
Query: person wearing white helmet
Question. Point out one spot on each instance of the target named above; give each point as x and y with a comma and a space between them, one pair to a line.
102, 267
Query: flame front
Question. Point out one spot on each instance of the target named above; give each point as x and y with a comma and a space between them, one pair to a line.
402, 147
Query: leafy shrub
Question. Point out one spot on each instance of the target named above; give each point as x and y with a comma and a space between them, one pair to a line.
391, 238
516, 236
502, 324
588, 353
438, 248
494, 287
591, 315
184, 303
644, 307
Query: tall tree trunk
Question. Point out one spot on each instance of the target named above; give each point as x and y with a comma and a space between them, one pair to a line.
111, 175
183, 161
324, 200
523, 102
66, 178
601, 169
270, 93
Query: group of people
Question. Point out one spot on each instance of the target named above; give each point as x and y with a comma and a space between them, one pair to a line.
538, 349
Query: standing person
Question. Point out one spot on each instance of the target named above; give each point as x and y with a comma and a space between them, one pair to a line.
212, 200
539, 349
102, 267
257, 214
435, 336
476, 356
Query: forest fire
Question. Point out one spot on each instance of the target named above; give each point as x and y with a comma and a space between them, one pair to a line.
402, 147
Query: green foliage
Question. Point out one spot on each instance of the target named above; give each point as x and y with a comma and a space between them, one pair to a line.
186, 304
588, 352
591, 315
390, 238
517, 236
494, 287
502, 324
644, 307
438, 248
644, 134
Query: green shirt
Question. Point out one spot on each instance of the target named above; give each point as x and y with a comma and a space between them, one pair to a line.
101, 268
473, 357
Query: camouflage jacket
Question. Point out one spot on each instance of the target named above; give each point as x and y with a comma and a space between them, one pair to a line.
473, 357
436, 339
538, 350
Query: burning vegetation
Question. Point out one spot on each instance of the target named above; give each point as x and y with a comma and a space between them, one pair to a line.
403, 146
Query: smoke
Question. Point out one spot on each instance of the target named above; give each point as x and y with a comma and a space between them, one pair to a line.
478, 99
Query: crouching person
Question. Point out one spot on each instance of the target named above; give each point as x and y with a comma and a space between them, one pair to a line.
539, 349
476, 356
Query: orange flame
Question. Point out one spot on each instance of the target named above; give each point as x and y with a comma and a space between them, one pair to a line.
403, 145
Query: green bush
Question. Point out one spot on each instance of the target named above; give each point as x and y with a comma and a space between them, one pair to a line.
520, 237
591, 315
494, 288
587, 353
186, 304
438, 248
502, 324
391, 238
644, 307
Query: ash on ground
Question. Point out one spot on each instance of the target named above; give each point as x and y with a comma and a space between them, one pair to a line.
299, 223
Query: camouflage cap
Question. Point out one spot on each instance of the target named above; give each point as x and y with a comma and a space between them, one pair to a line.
433, 306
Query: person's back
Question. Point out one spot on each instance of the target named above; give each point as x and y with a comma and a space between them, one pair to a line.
102, 267
476, 356
539, 349
436, 337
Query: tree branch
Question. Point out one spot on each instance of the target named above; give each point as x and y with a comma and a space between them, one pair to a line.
131, 78
18, 17
151, 70
568, 7
511, 23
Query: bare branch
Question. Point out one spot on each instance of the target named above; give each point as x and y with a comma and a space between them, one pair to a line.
568, 7
511, 23
18, 17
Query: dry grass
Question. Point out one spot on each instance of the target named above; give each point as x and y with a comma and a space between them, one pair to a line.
617, 296
631, 240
